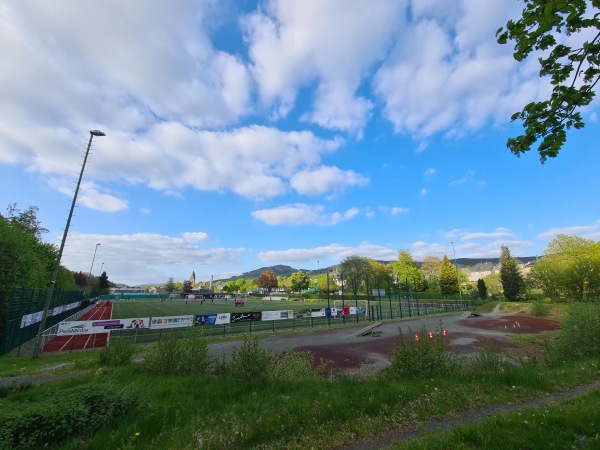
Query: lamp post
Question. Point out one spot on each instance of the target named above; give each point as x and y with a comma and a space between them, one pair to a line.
87, 282
457, 274
101, 267
50, 289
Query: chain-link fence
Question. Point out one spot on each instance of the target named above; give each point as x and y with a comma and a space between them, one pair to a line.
21, 311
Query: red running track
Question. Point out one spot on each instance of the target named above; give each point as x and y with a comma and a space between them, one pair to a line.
83, 341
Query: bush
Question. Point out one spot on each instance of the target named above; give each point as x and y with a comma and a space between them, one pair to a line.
186, 356
488, 361
60, 415
579, 336
293, 365
119, 352
250, 362
422, 358
540, 309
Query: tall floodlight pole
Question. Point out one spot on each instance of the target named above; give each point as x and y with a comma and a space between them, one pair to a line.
87, 282
50, 289
101, 267
457, 274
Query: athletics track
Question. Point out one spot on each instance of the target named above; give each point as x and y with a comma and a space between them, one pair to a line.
83, 341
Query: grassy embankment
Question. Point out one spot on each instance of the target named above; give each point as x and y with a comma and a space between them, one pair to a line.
259, 401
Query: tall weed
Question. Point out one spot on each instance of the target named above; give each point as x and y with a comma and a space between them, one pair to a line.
119, 352
185, 356
250, 361
489, 361
422, 358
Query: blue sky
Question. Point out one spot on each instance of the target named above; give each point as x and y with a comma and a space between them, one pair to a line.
249, 134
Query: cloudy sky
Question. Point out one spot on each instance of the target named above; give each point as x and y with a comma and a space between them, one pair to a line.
242, 134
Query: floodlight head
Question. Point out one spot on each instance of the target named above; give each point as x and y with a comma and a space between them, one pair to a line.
97, 133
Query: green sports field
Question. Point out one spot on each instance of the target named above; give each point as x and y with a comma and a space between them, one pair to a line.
156, 308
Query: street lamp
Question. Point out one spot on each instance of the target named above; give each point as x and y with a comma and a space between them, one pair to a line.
101, 267
90, 272
50, 289
457, 274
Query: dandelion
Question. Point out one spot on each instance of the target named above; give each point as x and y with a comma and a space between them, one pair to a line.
137, 434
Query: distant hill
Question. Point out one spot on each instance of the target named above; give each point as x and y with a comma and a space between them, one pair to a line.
286, 271
279, 270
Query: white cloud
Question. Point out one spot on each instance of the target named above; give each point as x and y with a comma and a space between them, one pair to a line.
90, 195
457, 78
326, 179
469, 177
393, 211
302, 214
147, 257
293, 44
499, 233
146, 211
423, 192
429, 174
468, 250
580, 230
334, 252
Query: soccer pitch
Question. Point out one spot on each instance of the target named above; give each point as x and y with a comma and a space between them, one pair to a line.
124, 309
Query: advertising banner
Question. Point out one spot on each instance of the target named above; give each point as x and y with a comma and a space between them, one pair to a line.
317, 313
100, 326
223, 319
171, 322
245, 317
205, 319
277, 315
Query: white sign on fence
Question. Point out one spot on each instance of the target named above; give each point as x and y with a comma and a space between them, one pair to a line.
171, 322
277, 315
101, 326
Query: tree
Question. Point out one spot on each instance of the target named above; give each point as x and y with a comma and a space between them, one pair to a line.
299, 281
267, 280
170, 286
567, 264
481, 287
187, 286
407, 271
379, 275
26, 261
510, 275
103, 283
354, 270
573, 69
448, 277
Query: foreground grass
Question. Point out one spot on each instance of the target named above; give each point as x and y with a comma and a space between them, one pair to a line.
214, 413
203, 411
573, 424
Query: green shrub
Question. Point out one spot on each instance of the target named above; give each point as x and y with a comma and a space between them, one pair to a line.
293, 365
186, 356
119, 352
422, 358
488, 361
250, 362
579, 336
60, 415
540, 309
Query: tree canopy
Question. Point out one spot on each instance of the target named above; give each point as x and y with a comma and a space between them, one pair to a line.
299, 281
267, 280
448, 277
354, 270
25, 260
567, 264
566, 35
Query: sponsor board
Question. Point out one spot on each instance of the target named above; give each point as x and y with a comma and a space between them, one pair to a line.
205, 319
277, 315
171, 322
100, 326
30, 319
245, 317
317, 313
223, 319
